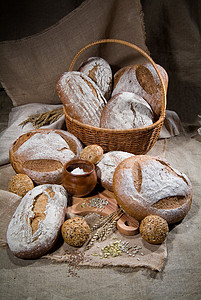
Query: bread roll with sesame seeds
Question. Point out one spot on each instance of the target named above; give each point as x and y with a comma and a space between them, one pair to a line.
154, 229
75, 231
145, 185
20, 184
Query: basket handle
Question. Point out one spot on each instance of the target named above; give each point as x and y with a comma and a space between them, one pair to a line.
131, 46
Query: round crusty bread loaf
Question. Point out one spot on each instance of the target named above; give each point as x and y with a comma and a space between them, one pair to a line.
36, 223
100, 72
126, 111
145, 185
41, 154
82, 98
106, 167
142, 80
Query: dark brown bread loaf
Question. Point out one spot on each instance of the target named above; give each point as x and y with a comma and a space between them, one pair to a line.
145, 185
36, 223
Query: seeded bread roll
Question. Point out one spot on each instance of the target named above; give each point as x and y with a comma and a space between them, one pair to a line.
106, 167
20, 184
41, 154
81, 97
145, 185
36, 223
100, 72
75, 231
126, 111
154, 229
142, 80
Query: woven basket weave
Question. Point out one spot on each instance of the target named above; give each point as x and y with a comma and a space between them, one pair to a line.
137, 140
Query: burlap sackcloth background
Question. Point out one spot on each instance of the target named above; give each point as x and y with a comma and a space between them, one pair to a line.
30, 66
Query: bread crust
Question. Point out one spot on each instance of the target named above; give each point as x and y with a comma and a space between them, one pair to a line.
82, 98
93, 153
42, 153
126, 110
106, 167
34, 227
145, 185
142, 80
99, 70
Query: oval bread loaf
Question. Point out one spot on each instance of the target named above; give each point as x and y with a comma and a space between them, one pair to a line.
93, 153
145, 185
82, 98
41, 154
106, 167
100, 72
126, 111
142, 80
36, 223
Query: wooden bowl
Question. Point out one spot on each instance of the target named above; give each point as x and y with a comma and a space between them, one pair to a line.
79, 184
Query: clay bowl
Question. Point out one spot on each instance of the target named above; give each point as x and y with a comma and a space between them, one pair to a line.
76, 183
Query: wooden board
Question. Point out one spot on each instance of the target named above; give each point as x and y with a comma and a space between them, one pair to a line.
126, 225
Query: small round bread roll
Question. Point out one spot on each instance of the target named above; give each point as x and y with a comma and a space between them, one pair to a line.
75, 231
20, 184
126, 111
154, 229
93, 153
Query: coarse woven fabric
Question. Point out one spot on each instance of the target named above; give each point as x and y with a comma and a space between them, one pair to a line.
149, 256
31, 66
47, 279
173, 38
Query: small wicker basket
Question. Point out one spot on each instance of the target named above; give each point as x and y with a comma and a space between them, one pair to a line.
137, 140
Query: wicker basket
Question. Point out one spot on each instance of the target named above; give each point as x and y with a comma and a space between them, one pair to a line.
137, 140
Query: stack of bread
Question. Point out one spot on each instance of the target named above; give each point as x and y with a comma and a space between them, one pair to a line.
93, 96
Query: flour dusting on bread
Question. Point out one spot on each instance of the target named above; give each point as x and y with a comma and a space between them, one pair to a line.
22, 240
81, 97
46, 146
106, 167
126, 111
100, 72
